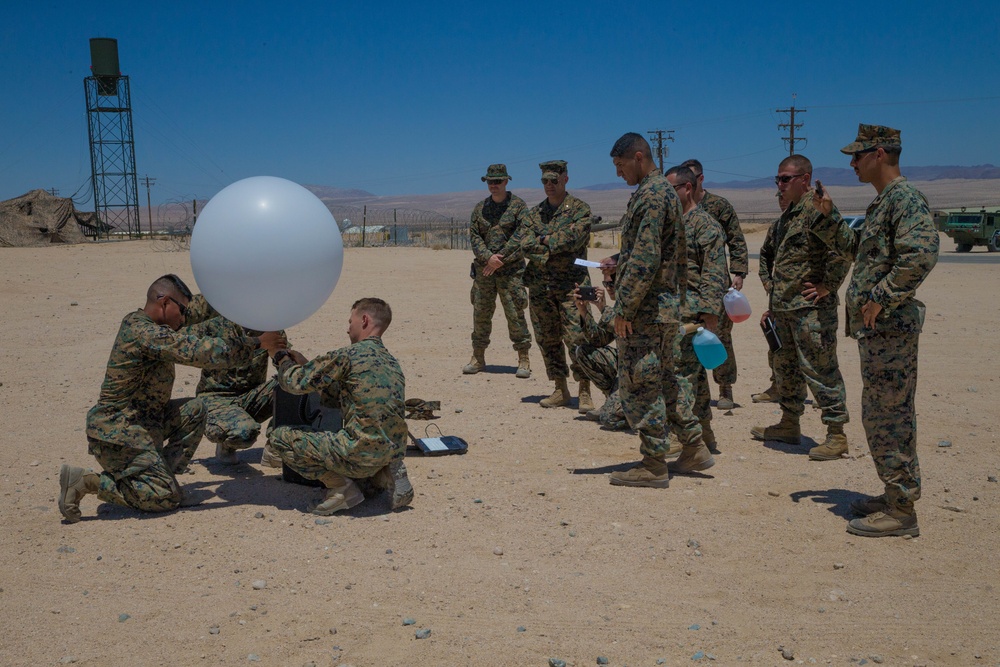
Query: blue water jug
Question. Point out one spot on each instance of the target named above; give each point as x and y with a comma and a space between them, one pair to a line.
709, 349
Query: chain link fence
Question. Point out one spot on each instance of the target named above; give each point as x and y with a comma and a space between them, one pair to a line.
380, 227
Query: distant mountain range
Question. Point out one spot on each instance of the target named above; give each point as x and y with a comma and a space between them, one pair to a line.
327, 192
839, 176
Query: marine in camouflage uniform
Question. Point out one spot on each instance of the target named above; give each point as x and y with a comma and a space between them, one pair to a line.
495, 233
597, 358
649, 286
707, 280
893, 252
135, 415
238, 398
801, 277
724, 213
368, 383
556, 234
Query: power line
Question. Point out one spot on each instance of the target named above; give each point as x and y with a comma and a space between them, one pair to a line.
149, 182
661, 151
791, 125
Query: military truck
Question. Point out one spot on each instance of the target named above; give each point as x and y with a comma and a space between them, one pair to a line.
970, 227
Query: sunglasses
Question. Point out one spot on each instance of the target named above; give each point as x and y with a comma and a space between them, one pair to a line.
550, 180
494, 181
857, 156
181, 307
782, 180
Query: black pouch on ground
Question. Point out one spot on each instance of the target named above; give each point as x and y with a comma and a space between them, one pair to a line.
306, 412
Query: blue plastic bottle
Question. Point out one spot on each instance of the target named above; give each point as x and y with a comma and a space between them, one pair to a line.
709, 349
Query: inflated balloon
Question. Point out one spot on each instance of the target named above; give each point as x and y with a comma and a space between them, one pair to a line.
266, 253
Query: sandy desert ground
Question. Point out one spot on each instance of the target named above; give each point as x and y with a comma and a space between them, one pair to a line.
514, 554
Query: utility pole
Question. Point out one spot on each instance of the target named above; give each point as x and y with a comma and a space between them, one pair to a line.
149, 182
792, 126
661, 151
54, 192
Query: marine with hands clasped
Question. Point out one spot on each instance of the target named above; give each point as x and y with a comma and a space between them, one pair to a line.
495, 232
556, 235
894, 251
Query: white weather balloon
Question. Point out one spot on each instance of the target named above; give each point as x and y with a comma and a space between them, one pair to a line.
266, 253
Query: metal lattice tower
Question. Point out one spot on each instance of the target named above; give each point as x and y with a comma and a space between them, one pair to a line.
112, 148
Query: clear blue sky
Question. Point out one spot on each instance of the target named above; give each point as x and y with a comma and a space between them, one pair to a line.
417, 97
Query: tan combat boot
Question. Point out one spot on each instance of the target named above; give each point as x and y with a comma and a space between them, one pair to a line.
341, 493
584, 401
651, 473
708, 437
225, 455
866, 506
477, 363
74, 484
786, 430
891, 522
725, 401
769, 395
559, 397
393, 478
833, 448
269, 458
694, 457
523, 365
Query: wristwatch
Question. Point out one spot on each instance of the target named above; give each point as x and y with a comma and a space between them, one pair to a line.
280, 356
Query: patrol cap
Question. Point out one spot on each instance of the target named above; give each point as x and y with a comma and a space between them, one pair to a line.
552, 168
872, 136
497, 171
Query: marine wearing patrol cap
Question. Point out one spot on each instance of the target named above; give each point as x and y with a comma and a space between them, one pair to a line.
552, 168
872, 136
496, 172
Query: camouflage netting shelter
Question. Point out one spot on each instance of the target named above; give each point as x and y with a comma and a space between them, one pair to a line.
39, 218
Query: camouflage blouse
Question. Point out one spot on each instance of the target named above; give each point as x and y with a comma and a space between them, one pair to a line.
140, 377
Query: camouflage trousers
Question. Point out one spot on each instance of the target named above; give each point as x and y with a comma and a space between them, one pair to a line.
144, 479
692, 378
651, 393
513, 299
725, 373
600, 366
234, 421
556, 322
808, 358
889, 376
313, 453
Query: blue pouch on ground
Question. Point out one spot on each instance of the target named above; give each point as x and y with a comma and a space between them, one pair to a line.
440, 445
